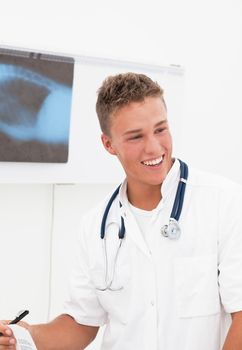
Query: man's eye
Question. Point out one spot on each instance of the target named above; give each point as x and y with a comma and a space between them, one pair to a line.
159, 130
135, 137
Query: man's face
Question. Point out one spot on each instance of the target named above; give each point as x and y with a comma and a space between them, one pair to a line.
140, 138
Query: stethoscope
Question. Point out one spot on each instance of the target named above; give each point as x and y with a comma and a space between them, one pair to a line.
171, 230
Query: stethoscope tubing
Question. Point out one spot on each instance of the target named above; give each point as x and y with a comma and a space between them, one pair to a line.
121, 232
176, 210
178, 203
108, 286
105, 214
174, 217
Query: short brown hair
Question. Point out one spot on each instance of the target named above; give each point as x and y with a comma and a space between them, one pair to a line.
120, 90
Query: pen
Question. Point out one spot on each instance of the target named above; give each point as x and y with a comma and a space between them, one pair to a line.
19, 317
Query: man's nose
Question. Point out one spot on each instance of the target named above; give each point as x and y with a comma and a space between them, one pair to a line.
152, 145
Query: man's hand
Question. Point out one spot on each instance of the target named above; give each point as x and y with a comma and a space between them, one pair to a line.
7, 340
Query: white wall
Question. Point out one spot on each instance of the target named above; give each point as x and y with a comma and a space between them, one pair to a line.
204, 36
25, 229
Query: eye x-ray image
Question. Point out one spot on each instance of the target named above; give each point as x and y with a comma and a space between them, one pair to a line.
35, 106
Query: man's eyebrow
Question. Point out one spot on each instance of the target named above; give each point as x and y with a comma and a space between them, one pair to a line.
134, 131
160, 123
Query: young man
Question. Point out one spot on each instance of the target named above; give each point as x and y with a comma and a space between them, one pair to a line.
152, 292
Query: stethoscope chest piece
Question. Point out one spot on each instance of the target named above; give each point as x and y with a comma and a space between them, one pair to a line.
172, 230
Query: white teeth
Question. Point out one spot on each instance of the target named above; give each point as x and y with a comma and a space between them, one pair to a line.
153, 162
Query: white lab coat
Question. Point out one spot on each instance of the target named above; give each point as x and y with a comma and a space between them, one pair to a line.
176, 294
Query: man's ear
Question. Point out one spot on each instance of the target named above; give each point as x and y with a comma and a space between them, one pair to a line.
107, 143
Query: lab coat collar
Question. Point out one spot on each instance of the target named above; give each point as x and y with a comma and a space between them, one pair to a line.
171, 180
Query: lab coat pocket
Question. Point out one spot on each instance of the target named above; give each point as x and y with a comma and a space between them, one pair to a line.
114, 298
196, 285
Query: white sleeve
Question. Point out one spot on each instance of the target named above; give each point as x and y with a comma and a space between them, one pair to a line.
230, 249
82, 303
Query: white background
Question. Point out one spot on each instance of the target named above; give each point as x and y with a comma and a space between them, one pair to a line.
203, 36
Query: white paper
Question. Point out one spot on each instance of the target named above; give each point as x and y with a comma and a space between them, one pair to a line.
23, 338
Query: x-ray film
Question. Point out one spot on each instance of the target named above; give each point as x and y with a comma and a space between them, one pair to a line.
35, 106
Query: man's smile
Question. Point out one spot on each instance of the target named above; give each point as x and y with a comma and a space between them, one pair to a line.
153, 162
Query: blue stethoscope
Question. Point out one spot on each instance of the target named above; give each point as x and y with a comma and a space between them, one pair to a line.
171, 230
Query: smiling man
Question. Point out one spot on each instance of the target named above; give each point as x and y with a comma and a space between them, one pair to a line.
141, 140
153, 291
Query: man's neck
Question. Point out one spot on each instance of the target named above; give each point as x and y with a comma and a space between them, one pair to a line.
144, 197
